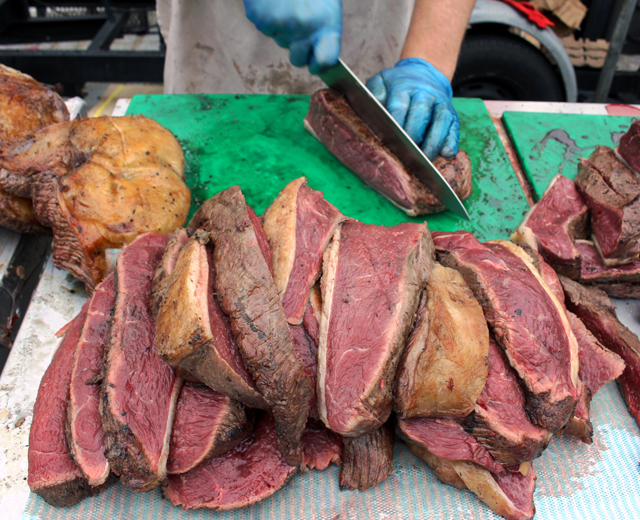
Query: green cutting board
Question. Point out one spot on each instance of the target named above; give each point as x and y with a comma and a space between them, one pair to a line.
259, 143
548, 144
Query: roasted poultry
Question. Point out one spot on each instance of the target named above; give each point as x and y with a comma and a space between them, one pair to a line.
99, 183
26, 106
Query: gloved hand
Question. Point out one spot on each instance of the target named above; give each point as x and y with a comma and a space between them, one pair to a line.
418, 96
310, 29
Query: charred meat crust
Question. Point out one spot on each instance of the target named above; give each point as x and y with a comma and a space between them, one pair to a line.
620, 290
367, 460
502, 448
595, 272
447, 438
25, 107
629, 146
247, 294
499, 421
70, 492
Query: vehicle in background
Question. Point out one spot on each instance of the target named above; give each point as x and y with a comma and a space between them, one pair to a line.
505, 56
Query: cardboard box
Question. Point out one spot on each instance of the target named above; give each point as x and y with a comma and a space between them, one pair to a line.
571, 12
589, 53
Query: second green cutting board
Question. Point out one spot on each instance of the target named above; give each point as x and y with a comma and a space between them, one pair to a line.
548, 144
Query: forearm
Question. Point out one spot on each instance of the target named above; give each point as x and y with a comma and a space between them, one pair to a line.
436, 31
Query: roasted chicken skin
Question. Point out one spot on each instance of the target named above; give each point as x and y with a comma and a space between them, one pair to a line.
99, 183
26, 106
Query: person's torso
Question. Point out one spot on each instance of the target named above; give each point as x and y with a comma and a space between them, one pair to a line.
213, 48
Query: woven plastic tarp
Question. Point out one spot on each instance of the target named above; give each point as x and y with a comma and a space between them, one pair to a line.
596, 482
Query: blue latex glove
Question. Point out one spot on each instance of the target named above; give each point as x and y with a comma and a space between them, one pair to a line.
310, 29
418, 96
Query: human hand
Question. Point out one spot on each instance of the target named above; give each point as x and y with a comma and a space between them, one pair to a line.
310, 29
418, 96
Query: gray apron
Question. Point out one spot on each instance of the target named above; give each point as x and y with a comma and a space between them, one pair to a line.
213, 48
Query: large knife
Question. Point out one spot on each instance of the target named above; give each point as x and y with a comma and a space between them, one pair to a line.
391, 134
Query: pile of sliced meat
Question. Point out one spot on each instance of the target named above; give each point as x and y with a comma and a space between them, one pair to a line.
589, 230
218, 362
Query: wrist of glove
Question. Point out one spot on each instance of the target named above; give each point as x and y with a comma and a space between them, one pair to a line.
310, 29
419, 97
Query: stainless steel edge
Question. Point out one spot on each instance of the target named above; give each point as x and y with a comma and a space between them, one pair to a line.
392, 134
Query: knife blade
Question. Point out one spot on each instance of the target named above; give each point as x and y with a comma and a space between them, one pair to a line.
392, 135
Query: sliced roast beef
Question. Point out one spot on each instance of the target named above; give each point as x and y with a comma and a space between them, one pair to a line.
206, 424
139, 390
612, 193
629, 147
52, 472
307, 349
160, 285
554, 223
298, 224
247, 294
594, 271
598, 314
320, 446
447, 439
598, 365
84, 424
444, 365
249, 473
508, 494
372, 278
193, 334
620, 290
368, 459
334, 123
528, 321
499, 421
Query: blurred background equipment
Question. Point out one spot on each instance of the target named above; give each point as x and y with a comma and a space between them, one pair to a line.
543, 50
30, 32
508, 55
